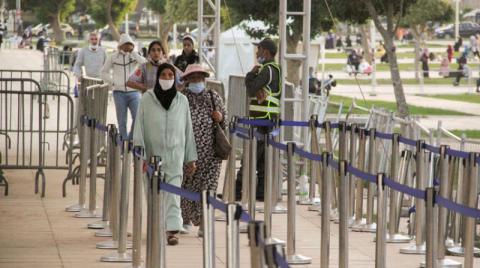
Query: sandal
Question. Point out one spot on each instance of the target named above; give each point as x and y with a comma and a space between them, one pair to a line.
172, 239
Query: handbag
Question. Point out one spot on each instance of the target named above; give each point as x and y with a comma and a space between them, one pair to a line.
221, 145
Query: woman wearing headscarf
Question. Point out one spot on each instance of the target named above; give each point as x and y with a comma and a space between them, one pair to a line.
164, 128
145, 76
188, 56
206, 107
424, 60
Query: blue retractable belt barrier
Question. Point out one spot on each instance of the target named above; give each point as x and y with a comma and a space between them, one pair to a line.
405, 189
407, 141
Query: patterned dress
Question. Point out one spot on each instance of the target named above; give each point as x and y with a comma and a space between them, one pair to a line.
208, 167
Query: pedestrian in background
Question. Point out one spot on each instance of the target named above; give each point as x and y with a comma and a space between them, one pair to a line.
92, 58
188, 56
145, 76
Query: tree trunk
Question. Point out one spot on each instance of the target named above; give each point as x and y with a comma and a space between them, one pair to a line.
402, 106
111, 24
165, 24
293, 67
57, 31
388, 35
367, 50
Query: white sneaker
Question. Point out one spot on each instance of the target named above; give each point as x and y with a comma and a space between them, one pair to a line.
186, 229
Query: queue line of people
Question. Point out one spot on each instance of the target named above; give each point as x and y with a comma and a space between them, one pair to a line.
174, 114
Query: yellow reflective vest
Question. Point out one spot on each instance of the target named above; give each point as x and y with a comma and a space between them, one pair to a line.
271, 106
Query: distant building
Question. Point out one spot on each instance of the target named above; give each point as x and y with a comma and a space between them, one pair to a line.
472, 4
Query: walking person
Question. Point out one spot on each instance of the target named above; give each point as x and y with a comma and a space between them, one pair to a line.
188, 56
450, 53
462, 65
424, 59
263, 85
145, 76
164, 128
92, 58
116, 71
206, 108
474, 46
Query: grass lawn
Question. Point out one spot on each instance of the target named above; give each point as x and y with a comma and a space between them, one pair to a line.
471, 133
473, 98
414, 110
432, 81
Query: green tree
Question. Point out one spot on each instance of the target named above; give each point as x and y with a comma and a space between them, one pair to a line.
268, 12
386, 14
171, 12
49, 11
111, 12
417, 18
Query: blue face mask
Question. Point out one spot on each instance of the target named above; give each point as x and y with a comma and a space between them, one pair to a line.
196, 87
261, 60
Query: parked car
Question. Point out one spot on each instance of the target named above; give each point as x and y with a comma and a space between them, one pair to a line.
39, 29
133, 31
466, 29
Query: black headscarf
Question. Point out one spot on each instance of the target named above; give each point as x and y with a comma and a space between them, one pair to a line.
165, 96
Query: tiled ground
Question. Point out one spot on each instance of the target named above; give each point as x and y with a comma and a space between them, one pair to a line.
36, 232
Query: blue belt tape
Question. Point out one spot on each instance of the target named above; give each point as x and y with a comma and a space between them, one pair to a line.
190, 195
433, 149
308, 155
456, 153
407, 141
462, 209
360, 174
278, 145
295, 123
217, 204
256, 122
404, 189
385, 136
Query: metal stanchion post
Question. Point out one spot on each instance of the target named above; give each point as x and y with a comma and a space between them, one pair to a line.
403, 175
292, 257
277, 208
208, 230
325, 227
314, 149
137, 207
381, 244
270, 255
370, 226
245, 181
358, 204
92, 204
156, 255
458, 198
432, 232
230, 180
443, 213
233, 240
343, 212
392, 236
107, 190
256, 233
121, 255
350, 184
84, 151
472, 201
419, 246
84, 143
253, 173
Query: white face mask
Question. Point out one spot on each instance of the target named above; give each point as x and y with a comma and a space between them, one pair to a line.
166, 84
93, 47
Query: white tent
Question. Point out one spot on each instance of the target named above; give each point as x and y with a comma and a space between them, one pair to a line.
237, 53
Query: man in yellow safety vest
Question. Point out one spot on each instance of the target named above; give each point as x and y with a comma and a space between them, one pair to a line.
263, 83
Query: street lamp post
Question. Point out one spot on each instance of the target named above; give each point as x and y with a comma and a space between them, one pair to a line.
457, 18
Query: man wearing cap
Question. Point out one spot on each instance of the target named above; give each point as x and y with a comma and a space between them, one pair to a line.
116, 71
263, 84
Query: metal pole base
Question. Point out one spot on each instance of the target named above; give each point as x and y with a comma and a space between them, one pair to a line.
315, 207
222, 218
460, 251
365, 228
106, 232
279, 209
97, 225
308, 201
398, 238
87, 214
298, 259
447, 263
111, 245
243, 228
275, 241
117, 257
74, 208
141, 265
414, 249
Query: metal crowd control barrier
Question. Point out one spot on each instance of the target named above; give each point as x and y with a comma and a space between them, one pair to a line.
264, 251
33, 132
49, 80
95, 101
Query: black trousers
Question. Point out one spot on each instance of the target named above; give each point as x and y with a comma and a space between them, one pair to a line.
260, 173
